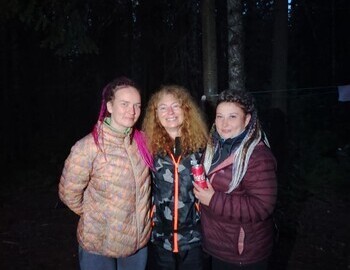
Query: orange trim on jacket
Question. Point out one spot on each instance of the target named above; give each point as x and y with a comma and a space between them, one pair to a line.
176, 200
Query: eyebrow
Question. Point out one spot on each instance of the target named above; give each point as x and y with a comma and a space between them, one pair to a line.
123, 100
163, 104
227, 114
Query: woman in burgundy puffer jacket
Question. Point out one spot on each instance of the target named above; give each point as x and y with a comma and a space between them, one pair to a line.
237, 206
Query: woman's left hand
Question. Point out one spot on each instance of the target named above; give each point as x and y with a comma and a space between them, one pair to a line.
203, 195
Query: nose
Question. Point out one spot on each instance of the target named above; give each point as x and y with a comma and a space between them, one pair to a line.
131, 109
225, 122
170, 110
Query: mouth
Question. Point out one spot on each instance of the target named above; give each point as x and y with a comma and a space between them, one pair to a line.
171, 119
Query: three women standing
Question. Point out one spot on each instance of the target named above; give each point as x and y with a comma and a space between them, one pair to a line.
106, 182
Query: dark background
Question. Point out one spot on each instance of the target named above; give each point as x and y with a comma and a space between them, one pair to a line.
56, 56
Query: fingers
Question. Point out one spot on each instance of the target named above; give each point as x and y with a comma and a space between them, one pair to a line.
210, 187
196, 190
196, 187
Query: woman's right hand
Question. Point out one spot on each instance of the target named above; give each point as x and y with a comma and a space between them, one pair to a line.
203, 195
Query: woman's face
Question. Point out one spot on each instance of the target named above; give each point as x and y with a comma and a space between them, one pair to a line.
125, 108
230, 120
170, 114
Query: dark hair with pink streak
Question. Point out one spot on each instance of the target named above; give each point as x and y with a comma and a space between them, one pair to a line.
107, 95
109, 91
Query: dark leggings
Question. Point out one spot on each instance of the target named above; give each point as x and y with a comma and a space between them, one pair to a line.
162, 259
221, 265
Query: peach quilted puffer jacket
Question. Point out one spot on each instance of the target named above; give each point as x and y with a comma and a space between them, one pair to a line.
110, 190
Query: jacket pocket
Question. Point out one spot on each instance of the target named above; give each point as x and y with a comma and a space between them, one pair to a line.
240, 242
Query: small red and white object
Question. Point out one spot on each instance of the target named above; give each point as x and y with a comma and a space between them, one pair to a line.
199, 175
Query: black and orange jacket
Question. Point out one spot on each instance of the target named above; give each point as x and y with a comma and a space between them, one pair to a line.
175, 217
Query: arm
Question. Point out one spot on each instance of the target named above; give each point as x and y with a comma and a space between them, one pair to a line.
255, 200
76, 176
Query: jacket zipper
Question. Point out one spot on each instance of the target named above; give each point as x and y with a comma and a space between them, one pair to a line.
176, 201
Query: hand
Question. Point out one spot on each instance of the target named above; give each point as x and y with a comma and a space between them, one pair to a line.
203, 195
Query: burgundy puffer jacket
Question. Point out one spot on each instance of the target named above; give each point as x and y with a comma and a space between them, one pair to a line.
238, 227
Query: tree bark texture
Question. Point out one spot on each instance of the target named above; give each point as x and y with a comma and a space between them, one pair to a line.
279, 56
209, 49
236, 73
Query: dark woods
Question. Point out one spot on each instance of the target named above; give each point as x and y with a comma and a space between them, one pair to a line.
57, 55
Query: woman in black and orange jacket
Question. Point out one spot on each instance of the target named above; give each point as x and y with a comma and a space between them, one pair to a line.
177, 135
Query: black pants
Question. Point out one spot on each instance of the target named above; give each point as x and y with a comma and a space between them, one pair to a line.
221, 265
162, 259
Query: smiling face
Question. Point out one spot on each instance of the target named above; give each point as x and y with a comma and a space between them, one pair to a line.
170, 114
125, 108
230, 120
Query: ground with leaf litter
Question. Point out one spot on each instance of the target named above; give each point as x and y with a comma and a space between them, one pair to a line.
38, 232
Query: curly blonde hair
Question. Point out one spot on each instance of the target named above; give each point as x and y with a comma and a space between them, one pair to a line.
194, 131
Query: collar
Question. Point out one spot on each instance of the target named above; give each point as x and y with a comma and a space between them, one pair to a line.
108, 121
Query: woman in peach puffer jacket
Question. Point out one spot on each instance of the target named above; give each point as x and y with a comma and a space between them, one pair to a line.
106, 182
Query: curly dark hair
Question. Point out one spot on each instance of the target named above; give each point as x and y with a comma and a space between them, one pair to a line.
242, 98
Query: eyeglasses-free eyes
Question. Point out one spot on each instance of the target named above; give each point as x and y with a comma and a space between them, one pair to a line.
163, 109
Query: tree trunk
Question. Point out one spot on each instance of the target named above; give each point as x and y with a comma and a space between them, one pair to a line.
193, 53
4, 103
17, 146
279, 82
135, 40
333, 59
209, 50
279, 56
236, 74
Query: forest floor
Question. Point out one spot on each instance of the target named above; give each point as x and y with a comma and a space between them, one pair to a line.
38, 232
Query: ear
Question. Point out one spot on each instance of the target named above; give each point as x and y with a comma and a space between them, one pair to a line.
109, 107
247, 119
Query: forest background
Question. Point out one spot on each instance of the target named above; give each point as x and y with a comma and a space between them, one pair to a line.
56, 56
